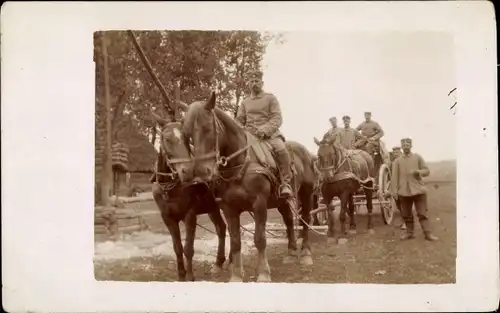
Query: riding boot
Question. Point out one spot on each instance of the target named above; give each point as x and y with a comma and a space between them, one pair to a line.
427, 231
409, 234
284, 164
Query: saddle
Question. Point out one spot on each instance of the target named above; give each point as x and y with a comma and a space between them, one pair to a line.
262, 151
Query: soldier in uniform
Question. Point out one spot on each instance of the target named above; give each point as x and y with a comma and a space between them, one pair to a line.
332, 132
409, 189
371, 133
260, 113
347, 136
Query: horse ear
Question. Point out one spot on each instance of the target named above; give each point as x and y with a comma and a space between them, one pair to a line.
210, 104
316, 141
182, 105
160, 120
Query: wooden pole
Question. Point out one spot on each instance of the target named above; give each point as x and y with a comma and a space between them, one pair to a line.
150, 70
107, 173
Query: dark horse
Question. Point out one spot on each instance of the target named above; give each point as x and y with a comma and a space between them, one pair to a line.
343, 173
225, 159
183, 202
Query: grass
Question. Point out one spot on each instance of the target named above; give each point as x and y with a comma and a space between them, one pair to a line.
377, 258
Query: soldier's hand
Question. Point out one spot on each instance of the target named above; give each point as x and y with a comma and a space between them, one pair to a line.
395, 196
260, 134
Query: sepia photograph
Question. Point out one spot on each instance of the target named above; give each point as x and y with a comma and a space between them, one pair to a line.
249, 156
297, 157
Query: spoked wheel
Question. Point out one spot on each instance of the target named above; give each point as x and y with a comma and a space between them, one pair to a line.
387, 203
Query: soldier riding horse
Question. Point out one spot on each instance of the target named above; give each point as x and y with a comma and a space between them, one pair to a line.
243, 172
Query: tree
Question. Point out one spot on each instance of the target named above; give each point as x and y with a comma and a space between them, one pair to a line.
196, 60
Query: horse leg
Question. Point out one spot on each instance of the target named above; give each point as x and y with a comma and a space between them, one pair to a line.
306, 199
330, 208
175, 234
260, 212
314, 207
286, 212
235, 258
220, 229
352, 219
369, 207
190, 223
344, 200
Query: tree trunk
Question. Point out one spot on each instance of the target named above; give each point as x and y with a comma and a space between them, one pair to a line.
153, 135
107, 173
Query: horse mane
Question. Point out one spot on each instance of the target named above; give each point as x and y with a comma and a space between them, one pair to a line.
231, 124
301, 151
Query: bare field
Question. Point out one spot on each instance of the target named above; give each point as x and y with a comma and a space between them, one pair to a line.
365, 258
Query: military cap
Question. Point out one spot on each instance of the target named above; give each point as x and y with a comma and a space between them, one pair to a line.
332, 118
397, 148
406, 140
346, 118
255, 74
368, 112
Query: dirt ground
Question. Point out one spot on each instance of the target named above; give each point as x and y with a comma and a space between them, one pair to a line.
365, 258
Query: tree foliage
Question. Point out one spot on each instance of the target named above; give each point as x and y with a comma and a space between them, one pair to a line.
199, 61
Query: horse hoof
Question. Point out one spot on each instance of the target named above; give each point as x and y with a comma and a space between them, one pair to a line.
264, 278
371, 231
190, 278
403, 226
215, 270
342, 241
306, 260
235, 279
352, 232
289, 259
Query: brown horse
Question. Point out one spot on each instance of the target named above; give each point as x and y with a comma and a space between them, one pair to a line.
226, 157
343, 173
183, 202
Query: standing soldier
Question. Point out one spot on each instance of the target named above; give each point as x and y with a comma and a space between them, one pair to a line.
396, 153
347, 136
371, 133
260, 113
331, 134
409, 189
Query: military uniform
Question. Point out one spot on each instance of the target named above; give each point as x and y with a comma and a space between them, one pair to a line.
261, 115
347, 136
396, 153
330, 135
372, 132
408, 188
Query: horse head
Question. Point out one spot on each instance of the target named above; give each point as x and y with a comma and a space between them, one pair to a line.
174, 148
200, 126
327, 155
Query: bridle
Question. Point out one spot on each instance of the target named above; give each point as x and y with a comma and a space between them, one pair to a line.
220, 160
170, 162
335, 168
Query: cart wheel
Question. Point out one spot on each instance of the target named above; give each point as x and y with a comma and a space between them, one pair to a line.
387, 209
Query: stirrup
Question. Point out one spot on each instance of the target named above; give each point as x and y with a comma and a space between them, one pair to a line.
285, 186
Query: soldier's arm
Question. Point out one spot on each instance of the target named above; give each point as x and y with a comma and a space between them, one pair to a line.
423, 169
241, 116
395, 176
275, 117
379, 130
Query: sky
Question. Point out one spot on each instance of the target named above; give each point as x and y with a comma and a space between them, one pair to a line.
403, 78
